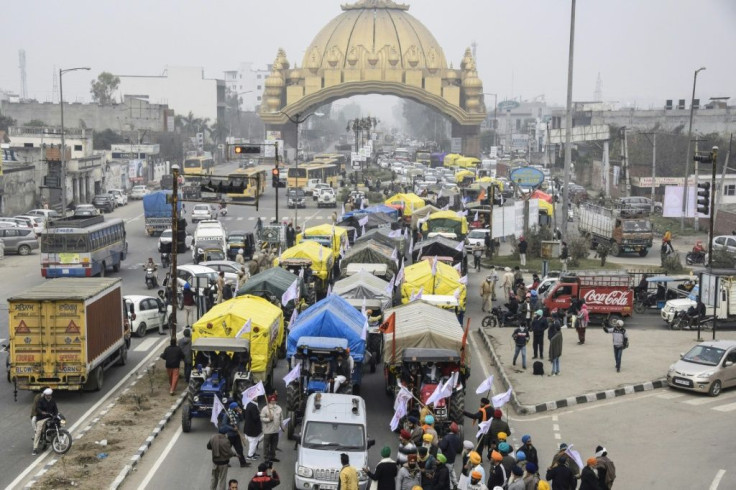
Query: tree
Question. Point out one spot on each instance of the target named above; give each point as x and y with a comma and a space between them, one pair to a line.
35, 123
103, 88
102, 140
5, 123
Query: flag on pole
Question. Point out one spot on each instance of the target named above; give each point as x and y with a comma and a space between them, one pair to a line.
485, 386
456, 294
462, 214
217, 407
402, 397
463, 280
399, 275
244, 329
418, 295
436, 395
390, 287
499, 401
443, 390
434, 266
363, 221
294, 314
292, 292
294, 374
574, 455
483, 428
395, 256
475, 218
389, 324
253, 392
460, 246
395, 234
362, 230
411, 245
458, 267
329, 289
364, 333
399, 413
301, 273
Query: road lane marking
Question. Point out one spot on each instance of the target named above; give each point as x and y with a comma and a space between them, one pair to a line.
669, 396
726, 408
717, 480
152, 472
145, 344
136, 218
705, 400
83, 419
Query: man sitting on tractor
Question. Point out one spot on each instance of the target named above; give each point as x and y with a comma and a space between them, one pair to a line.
341, 372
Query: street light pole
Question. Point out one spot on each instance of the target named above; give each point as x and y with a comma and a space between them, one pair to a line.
495, 112
174, 283
686, 186
568, 124
63, 140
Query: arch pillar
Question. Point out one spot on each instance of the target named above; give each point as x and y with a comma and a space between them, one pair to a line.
470, 138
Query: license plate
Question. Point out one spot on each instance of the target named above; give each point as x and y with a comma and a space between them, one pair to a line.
65, 271
328, 487
682, 382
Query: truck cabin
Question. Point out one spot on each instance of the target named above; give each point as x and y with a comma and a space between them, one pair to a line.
634, 225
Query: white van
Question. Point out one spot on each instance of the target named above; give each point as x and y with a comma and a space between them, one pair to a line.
208, 238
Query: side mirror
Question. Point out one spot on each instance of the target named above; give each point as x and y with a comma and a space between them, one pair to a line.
729, 363
371, 443
682, 354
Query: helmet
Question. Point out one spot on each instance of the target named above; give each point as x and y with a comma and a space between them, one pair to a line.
240, 251
187, 287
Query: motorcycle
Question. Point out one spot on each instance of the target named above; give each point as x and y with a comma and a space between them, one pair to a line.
55, 435
693, 258
685, 321
151, 279
501, 317
165, 260
644, 301
223, 210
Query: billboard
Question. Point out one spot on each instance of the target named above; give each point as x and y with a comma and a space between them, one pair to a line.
672, 206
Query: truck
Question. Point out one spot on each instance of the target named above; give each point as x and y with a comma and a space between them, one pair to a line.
609, 227
608, 295
157, 211
65, 333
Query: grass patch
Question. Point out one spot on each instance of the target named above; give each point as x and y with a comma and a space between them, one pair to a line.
661, 224
554, 264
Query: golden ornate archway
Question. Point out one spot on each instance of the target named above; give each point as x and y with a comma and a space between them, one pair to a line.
376, 47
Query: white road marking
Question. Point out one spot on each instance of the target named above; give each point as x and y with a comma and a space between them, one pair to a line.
555, 427
669, 396
717, 480
704, 400
134, 219
83, 419
145, 344
726, 408
160, 460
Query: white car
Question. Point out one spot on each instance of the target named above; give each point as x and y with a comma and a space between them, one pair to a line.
148, 313
229, 267
35, 222
138, 191
317, 190
476, 236
44, 213
166, 237
121, 198
203, 212
198, 277
327, 198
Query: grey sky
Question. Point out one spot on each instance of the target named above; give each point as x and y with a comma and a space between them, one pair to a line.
646, 51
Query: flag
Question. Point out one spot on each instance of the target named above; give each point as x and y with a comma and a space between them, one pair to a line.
217, 407
363, 221
499, 401
342, 211
253, 392
434, 266
395, 234
486, 385
244, 329
460, 246
462, 214
443, 390
463, 280
364, 333
400, 275
395, 256
459, 267
436, 395
575, 456
362, 230
292, 292
456, 294
390, 287
329, 289
398, 415
439, 194
294, 314
402, 397
389, 324
301, 273
418, 295
483, 428
411, 245
294, 374
362, 310
475, 218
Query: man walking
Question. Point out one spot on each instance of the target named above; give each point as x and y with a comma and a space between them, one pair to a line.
539, 325
272, 418
477, 254
173, 357
522, 251
486, 293
220, 287
188, 300
386, 471
222, 451
521, 338
185, 344
508, 282
229, 419
253, 428
606, 468
620, 341
555, 347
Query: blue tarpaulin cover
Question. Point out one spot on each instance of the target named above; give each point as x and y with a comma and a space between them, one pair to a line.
330, 317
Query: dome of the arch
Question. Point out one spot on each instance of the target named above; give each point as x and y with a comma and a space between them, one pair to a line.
376, 32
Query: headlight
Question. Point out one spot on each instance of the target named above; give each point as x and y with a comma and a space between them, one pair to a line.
671, 368
706, 374
196, 399
62, 422
304, 472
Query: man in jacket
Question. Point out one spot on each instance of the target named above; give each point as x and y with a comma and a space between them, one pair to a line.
498, 425
620, 341
560, 476
529, 450
539, 325
409, 475
45, 409
588, 478
508, 282
521, 338
484, 413
522, 251
348, 479
253, 428
272, 418
229, 419
554, 334
486, 294
606, 468
386, 471
340, 372
451, 445
188, 301
185, 344
498, 475
262, 480
222, 451
173, 357
406, 447
441, 478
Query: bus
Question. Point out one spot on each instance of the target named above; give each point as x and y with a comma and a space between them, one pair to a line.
327, 173
198, 165
334, 158
255, 187
82, 247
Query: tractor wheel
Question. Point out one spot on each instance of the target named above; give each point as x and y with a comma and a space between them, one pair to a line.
457, 406
186, 417
291, 425
292, 397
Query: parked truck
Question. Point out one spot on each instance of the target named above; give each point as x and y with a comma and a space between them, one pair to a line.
608, 295
608, 227
157, 211
64, 334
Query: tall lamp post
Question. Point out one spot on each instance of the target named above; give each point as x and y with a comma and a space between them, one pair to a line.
297, 119
686, 187
63, 141
495, 113
358, 125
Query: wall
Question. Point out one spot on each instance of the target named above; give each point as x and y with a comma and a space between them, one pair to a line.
20, 188
30, 137
722, 121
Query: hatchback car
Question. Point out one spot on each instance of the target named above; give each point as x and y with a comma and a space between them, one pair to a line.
138, 191
203, 212
20, 240
86, 210
706, 368
44, 213
104, 202
637, 205
121, 198
147, 313
34, 222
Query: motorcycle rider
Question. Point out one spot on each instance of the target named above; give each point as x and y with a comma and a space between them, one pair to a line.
152, 265
45, 409
512, 306
698, 248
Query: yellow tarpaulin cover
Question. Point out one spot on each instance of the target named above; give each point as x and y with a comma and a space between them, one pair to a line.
410, 201
419, 276
462, 174
337, 235
266, 334
450, 159
467, 162
451, 215
545, 206
322, 257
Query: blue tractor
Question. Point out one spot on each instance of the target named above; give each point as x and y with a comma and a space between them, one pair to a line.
221, 369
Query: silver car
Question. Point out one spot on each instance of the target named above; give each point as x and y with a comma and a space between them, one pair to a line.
706, 368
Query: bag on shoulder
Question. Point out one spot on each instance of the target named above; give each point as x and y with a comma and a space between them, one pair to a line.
626, 342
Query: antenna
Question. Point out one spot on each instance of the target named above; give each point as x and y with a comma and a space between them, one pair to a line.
55, 90
22, 66
598, 96
474, 45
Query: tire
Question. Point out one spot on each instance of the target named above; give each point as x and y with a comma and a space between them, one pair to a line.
116, 266
291, 425
62, 442
281, 351
639, 307
615, 249
457, 406
141, 330
24, 250
186, 417
490, 321
643, 252
292, 397
678, 323
123, 355
103, 271
715, 388
95, 380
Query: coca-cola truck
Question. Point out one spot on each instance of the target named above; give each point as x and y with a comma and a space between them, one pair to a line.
608, 295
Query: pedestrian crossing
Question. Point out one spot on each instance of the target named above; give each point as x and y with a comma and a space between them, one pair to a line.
698, 400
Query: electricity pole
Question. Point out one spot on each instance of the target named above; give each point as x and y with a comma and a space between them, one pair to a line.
568, 122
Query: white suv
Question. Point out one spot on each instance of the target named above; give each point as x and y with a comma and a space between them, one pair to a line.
121, 198
327, 198
203, 212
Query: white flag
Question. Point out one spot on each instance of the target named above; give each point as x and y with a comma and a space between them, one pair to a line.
460, 246
294, 374
483, 428
301, 273
244, 329
499, 401
444, 390
364, 333
416, 296
253, 392
463, 280
400, 275
456, 294
402, 397
363, 221
395, 234
390, 287
411, 245
292, 292
294, 314
329, 289
434, 266
475, 218
458, 267
575, 456
436, 395
395, 256
485, 386
217, 407
398, 415
462, 214
362, 230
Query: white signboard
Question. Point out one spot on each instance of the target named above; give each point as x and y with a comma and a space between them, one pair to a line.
673, 202
708, 290
519, 141
494, 152
509, 220
269, 148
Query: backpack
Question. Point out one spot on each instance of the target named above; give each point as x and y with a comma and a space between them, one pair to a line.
538, 368
227, 292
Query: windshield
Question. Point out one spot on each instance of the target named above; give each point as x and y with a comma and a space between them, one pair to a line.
210, 276
202, 207
64, 242
704, 354
477, 234
166, 234
235, 239
296, 193
332, 436
637, 225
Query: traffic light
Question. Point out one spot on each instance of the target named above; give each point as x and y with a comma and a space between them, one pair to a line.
275, 177
703, 157
704, 198
247, 149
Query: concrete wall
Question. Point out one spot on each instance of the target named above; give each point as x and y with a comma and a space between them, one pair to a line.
133, 113
722, 121
20, 192
38, 137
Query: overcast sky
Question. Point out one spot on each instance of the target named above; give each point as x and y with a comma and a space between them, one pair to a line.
645, 50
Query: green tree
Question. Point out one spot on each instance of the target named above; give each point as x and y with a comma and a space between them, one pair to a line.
35, 123
102, 140
5, 123
103, 88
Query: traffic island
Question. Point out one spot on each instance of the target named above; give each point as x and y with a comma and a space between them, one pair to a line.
112, 440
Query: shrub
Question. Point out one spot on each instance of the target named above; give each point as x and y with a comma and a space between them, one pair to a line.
672, 265
578, 248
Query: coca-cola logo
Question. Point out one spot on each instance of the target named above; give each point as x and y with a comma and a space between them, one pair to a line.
616, 297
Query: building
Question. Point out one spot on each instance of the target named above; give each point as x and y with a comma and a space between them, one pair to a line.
134, 113
248, 83
184, 89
